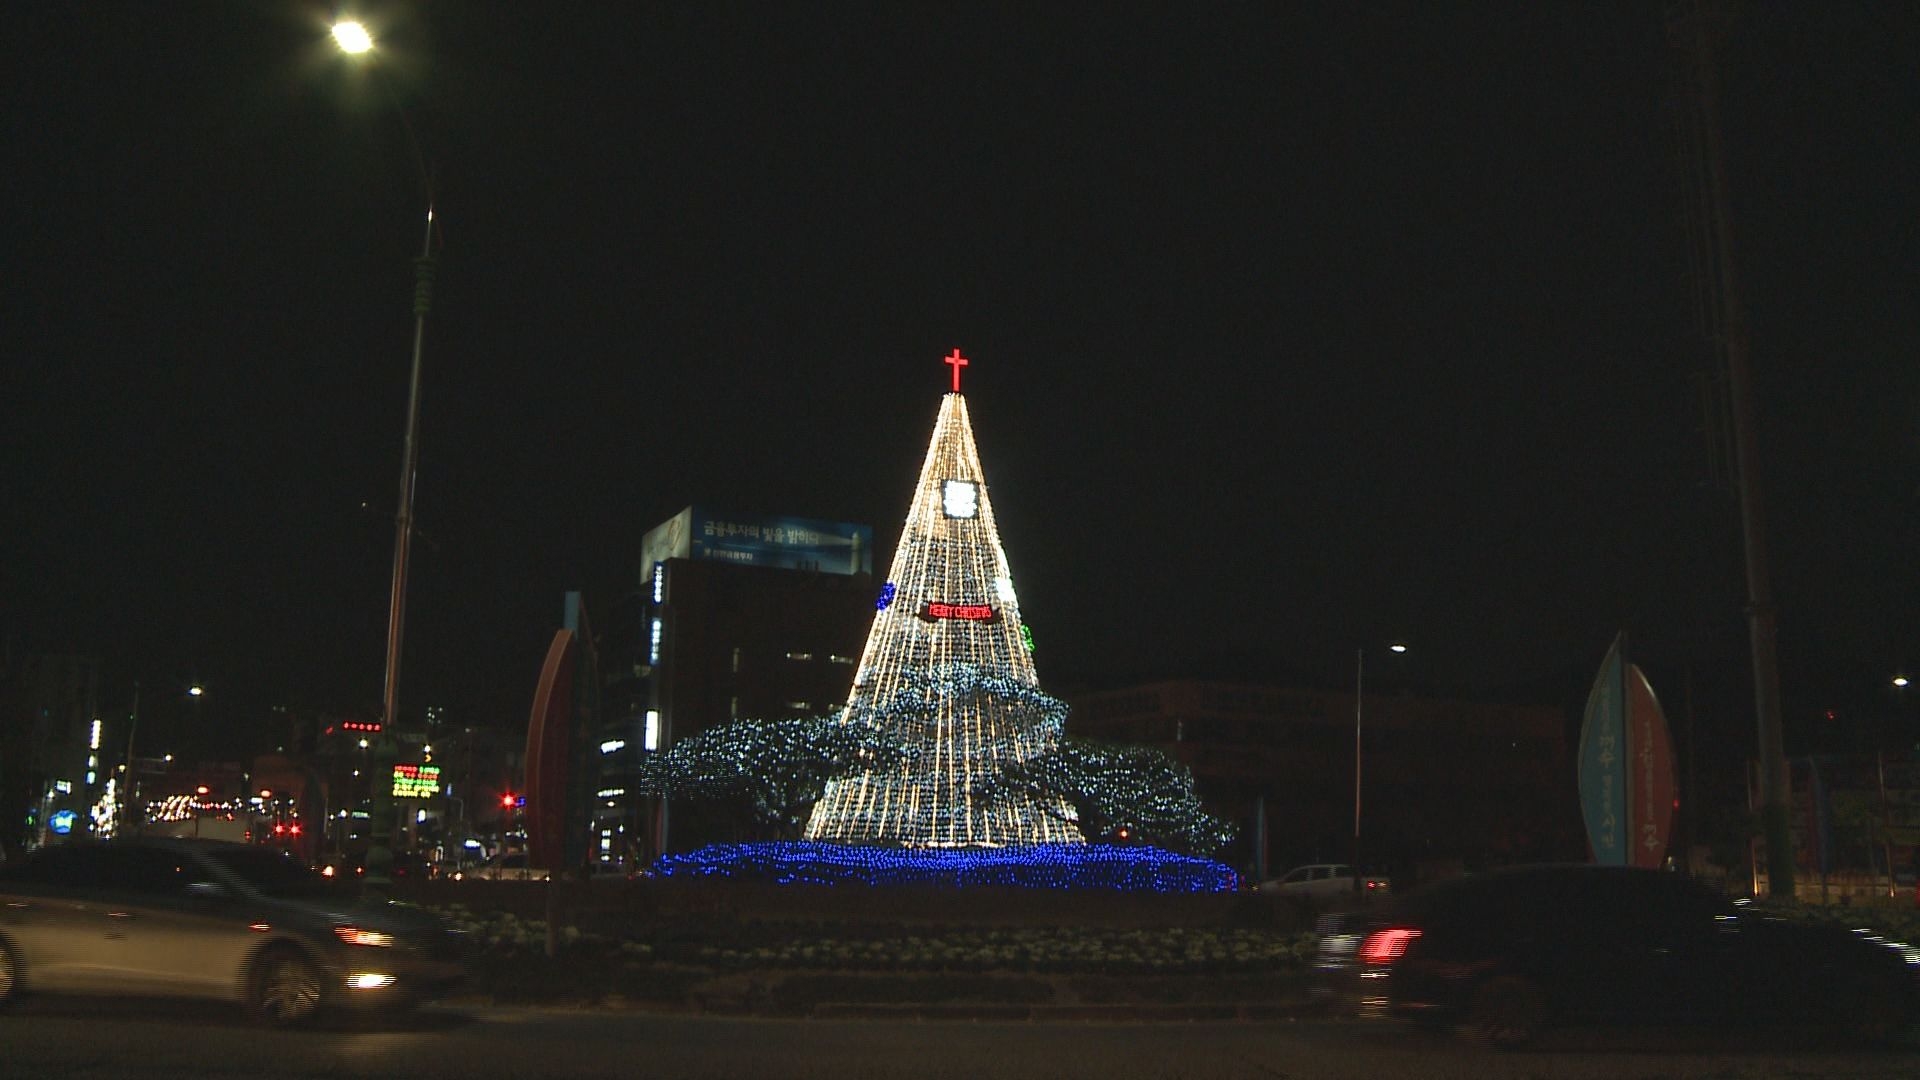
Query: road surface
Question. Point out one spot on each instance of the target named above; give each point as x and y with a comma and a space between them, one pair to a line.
82, 1040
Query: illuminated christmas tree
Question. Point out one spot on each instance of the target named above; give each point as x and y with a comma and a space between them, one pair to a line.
948, 674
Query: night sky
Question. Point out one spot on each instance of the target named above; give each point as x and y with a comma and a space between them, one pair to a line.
1296, 328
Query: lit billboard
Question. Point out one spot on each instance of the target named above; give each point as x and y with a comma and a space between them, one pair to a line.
415, 781
787, 543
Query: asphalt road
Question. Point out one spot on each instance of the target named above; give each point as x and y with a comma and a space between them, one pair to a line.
85, 1040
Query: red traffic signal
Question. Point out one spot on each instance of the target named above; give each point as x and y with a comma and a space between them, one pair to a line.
507, 801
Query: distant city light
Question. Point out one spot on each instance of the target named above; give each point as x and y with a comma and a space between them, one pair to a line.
1899, 680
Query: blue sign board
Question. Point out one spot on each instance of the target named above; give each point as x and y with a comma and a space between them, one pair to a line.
786, 543
62, 821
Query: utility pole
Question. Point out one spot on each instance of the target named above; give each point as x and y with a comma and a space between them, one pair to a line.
1695, 30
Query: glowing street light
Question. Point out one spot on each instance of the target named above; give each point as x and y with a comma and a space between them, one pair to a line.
1900, 680
352, 37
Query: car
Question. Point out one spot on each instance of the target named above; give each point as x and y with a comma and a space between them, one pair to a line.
1325, 881
210, 919
1507, 954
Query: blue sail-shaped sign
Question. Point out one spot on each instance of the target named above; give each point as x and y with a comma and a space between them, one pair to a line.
1603, 761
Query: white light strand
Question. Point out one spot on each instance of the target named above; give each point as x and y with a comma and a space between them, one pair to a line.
929, 799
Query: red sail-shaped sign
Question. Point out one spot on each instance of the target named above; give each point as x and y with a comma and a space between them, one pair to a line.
1650, 786
547, 755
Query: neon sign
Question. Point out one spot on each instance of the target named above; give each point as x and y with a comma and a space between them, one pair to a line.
415, 781
935, 610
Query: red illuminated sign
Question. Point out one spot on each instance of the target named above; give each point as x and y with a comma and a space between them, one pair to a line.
958, 362
936, 610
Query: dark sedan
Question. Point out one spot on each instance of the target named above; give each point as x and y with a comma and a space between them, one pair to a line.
1506, 954
187, 918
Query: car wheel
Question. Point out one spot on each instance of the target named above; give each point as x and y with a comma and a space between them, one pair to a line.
9, 973
284, 987
1506, 1011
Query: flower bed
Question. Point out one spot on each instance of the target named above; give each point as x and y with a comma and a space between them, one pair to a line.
788, 967
1041, 866
729, 945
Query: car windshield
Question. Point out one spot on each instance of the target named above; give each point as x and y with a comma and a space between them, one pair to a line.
270, 872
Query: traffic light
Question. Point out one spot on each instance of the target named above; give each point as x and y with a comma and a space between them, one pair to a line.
506, 800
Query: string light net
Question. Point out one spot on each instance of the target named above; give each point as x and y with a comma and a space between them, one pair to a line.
947, 673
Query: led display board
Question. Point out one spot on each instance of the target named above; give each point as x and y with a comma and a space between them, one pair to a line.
415, 781
935, 610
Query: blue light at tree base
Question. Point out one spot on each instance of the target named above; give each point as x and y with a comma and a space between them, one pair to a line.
1036, 866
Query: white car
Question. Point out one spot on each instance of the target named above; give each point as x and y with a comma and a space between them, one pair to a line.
1324, 881
206, 918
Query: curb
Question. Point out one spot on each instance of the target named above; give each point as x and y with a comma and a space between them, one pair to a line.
1202, 1012
958, 1012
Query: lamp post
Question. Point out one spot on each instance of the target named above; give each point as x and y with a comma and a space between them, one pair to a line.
1359, 717
354, 39
128, 808
127, 820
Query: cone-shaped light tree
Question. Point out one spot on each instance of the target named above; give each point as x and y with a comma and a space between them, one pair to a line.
947, 674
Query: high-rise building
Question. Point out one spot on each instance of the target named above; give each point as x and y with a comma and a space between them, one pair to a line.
738, 616
56, 701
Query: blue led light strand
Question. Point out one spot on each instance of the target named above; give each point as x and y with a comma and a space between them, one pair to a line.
1049, 866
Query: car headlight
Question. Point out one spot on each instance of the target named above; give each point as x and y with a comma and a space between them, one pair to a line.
353, 935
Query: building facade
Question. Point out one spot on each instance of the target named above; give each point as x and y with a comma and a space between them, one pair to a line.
1441, 782
738, 617
58, 776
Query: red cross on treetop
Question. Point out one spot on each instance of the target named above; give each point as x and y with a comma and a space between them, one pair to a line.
958, 362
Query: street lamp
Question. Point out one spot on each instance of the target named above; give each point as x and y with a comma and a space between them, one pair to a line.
129, 824
1359, 713
354, 39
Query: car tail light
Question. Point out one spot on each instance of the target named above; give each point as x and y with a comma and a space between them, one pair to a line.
1383, 947
353, 935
